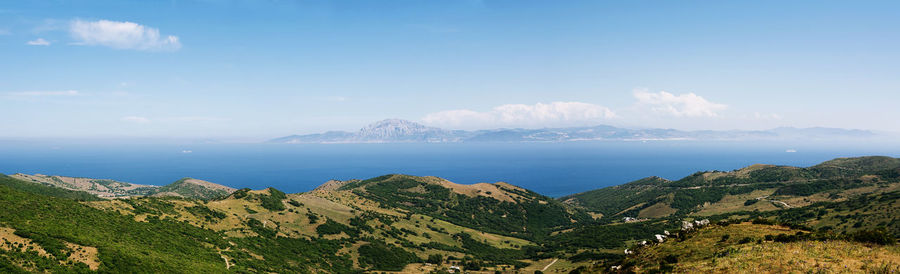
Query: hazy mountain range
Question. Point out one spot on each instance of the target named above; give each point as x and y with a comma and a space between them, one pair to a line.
403, 131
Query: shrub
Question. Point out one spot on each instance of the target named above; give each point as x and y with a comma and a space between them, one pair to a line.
435, 259
273, 200
877, 236
381, 256
671, 259
761, 221
295, 203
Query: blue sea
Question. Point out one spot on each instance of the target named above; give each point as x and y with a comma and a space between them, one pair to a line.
553, 169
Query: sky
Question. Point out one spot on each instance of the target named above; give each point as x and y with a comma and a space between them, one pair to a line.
264, 69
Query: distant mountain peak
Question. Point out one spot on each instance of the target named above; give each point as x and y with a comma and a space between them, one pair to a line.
391, 122
390, 128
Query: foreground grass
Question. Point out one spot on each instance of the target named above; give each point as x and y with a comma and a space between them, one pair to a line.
806, 256
743, 248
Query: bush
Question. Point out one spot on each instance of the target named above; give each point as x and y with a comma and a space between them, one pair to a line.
295, 203
331, 227
381, 256
877, 236
435, 259
241, 193
761, 221
273, 200
671, 259
313, 218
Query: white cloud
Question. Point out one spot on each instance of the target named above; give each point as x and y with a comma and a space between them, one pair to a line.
555, 114
135, 119
38, 42
46, 93
683, 105
121, 35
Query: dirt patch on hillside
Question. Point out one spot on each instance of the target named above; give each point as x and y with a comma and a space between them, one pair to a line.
84, 254
330, 185
483, 189
9, 241
657, 210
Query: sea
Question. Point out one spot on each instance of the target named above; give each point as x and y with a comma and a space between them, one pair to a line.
552, 169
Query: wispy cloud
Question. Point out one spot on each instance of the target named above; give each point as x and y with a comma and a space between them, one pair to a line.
38, 42
135, 119
520, 115
682, 105
45, 93
121, 35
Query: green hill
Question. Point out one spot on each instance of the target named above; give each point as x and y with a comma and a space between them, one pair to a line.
497, 208
424, 224
105, 188
192, 188
46, 190
758, 187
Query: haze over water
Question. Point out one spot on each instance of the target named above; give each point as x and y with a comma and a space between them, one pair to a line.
553, 169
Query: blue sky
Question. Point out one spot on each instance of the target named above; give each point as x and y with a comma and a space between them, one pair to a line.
261, 69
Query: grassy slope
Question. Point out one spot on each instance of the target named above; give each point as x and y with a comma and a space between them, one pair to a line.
425, 216
185, 188
356, 220
123, 244
743, 248
528, 215
716, 192
45, 190
153, 240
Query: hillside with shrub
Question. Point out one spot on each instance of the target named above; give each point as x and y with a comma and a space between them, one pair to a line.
424, 224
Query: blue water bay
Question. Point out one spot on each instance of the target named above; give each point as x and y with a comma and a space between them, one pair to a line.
553, 169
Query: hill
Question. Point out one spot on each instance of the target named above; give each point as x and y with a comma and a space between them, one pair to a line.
498, 208
757, 187
106, 188
366, 228
422, 224
193, 188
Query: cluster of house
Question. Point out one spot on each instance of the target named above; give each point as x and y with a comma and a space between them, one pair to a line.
450, 269
685, 226
633, 219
